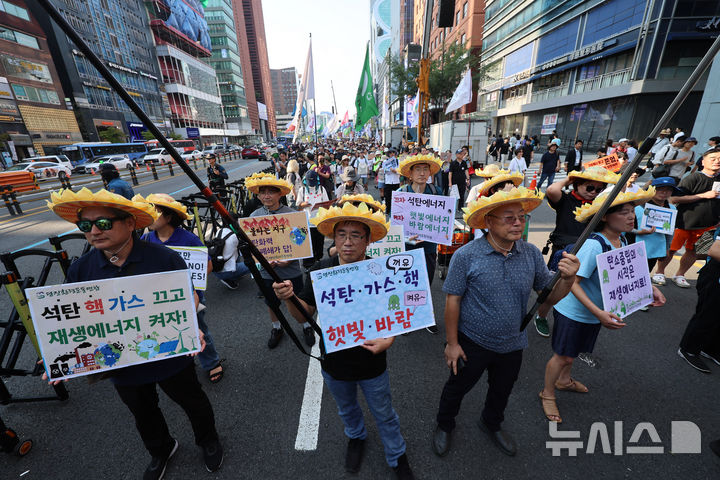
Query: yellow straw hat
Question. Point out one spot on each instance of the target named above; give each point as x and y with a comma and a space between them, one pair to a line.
504, 176
326, 219
596, 174
477, 210
584, 213
356, 199
257, 180
409, 162
164, 200
68, 204
489, 171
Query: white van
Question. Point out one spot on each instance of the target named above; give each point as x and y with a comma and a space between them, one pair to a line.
157, 155
59, 159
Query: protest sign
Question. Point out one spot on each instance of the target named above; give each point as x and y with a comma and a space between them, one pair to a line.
625, 279
430, 217
196, 259
663, 219
610, 162
393, 242
89, 327
284, 236
377, 298
549, 124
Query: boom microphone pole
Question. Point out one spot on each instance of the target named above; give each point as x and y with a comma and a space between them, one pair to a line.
204, 190
644, 149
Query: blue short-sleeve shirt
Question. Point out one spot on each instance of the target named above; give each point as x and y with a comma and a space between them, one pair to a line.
495, 290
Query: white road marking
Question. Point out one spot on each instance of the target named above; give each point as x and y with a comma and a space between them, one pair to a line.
309, 424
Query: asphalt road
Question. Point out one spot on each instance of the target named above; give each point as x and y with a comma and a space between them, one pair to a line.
258, 403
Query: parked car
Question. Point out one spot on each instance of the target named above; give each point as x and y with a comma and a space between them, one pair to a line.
59, 159
158, 156
250, 152
120, 162
234, 148
42, 170
194, 154
214, 149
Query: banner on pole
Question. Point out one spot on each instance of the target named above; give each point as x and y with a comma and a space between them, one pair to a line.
430, 217
196, 259
90, 327
610, 162
377, 298
285, 236
625, 279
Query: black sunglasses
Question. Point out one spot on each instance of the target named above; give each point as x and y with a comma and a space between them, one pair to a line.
102, 223
593, 188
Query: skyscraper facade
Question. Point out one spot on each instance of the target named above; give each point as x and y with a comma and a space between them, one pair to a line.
284, 86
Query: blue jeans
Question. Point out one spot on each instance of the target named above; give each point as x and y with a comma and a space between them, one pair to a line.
549, 176
240, 271
377, 395
209, 357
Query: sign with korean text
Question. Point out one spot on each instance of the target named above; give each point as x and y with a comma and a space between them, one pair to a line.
663, 219
430, 217
393, 242
625, 279
377, 298
549, 123
90, 327
196, 259
284, 236
610, 162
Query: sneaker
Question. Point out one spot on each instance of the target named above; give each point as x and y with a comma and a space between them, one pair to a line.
354, 454
542, 326
694, 360
309, 335
275, 336
658, 279
213, 456
402, 470
231, 284
680, 281
712, 357
156, 469
432, 329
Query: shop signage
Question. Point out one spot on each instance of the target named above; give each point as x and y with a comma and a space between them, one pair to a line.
577, 54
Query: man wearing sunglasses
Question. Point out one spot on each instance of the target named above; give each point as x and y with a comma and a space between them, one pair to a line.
109, 222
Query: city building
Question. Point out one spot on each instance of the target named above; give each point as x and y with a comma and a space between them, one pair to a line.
183, 50
226, 62
591, 69
282, 120
250, 26
34, 119
118, 32
284, 85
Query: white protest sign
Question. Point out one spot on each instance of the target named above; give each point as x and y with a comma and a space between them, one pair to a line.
663, 219
625, 279
196, 259
89, 327
393, 242
430, 217
377, 298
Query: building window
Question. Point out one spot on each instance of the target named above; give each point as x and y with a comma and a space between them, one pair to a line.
19, 38
463, 39
14, 10
465, 8
457, 17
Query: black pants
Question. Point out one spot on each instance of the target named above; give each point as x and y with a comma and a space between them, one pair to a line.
703, 330
184, 389
389, 188
503, 369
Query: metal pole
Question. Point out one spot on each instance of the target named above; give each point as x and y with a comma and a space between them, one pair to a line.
204, 189
644, 149
314, 109
334, 102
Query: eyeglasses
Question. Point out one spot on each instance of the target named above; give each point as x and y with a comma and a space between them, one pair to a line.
102, 223
341, 237
593, 188
511, 219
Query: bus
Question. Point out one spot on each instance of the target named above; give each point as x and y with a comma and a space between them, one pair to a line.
80, 153
180, 145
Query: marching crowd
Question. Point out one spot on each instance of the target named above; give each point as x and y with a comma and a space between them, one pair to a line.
347, 191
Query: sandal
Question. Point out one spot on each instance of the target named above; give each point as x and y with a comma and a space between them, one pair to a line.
658, 279
550, 408
680, 281
573, 386
217, 376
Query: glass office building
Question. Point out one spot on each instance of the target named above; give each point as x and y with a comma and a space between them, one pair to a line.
591, 69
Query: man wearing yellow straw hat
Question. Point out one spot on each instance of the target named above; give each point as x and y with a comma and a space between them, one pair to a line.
495, 180
109, 222
167, 230
353, 228
488, 286
270, 190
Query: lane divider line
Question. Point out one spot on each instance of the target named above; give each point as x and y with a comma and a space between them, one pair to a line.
309, 422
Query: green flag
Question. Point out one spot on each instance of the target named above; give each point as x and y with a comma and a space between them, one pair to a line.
365, 100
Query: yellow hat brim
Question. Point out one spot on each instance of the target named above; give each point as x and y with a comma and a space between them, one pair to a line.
255, 184
588, 210
175, 206
595, 175
406, 165
326, 220
516, 178
477, 210
361, 198
67, 205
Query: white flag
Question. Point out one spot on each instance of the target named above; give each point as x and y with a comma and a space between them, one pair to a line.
307, 89
463, 94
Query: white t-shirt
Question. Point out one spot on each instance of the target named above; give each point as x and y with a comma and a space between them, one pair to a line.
631, 152
230, 250
363, 165
518, 165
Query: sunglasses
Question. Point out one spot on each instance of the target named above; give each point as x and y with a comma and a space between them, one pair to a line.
593, 188
101, 223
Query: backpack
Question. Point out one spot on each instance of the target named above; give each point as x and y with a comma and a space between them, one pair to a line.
215, 250
557, 256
